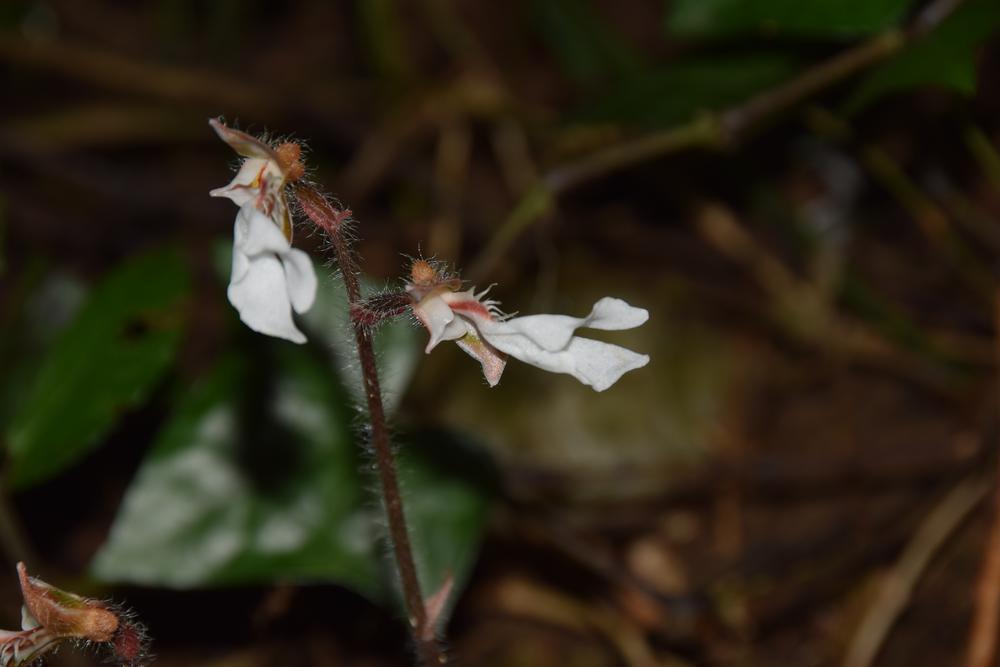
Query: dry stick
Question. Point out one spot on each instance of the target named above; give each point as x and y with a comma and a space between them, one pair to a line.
982, 646
331, 221
901, 580
178, 84
707, 130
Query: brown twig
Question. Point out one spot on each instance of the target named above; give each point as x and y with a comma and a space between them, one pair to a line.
899, 583
176, 84
710, 130
332, 220
982, 646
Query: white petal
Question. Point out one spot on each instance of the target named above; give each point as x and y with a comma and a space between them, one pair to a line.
262, 299
246, 185
600, 364
439, 319
553, 332
592, 362
300, 279
257, 234
547, 341
611, 314
241, 263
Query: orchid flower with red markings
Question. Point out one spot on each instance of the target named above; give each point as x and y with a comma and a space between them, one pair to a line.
548, 342
269, 279
50, 616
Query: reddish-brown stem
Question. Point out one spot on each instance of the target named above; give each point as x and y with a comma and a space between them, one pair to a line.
331, 220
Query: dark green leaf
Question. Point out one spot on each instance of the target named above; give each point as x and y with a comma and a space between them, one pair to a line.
946, 57
40, 306
447, 484
584, 43
255, 479
815, 18
106, 361
259, 478
677, 92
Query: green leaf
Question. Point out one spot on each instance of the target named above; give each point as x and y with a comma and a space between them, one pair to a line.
259, 478
40, 306
815, 18
675, 93
945, 58
447, 485
586, 46
106, 361
254, 479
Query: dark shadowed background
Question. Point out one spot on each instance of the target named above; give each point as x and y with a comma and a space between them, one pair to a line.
805, 196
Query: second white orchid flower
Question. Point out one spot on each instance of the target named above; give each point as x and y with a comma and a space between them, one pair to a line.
545, 341
270, 279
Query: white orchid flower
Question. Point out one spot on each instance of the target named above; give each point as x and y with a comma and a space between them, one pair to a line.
270, 279
545, 341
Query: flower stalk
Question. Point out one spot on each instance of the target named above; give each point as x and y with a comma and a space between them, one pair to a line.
332, 221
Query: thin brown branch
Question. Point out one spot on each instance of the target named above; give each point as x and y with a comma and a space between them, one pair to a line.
176, 84
900, 582
982, 646
719, 130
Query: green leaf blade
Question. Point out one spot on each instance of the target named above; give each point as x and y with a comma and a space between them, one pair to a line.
677, 92
231, 496
815, 19
946, 58
106, 361
582, 41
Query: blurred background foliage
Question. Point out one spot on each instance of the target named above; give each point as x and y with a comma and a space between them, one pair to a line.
806, 196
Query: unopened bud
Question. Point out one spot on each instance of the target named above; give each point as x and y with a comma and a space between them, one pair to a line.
422, 273
290, 159
66, 614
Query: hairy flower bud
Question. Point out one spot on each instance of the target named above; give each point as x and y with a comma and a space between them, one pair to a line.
66, 614
51, 615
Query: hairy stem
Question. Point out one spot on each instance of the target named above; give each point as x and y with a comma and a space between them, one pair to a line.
331, 221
